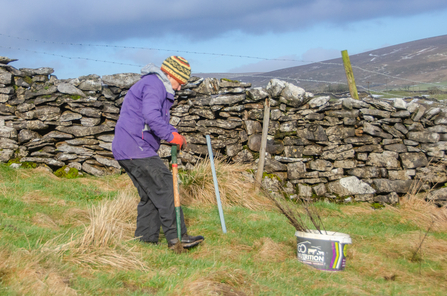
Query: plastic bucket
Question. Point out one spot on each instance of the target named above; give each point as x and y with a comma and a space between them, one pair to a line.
323, 251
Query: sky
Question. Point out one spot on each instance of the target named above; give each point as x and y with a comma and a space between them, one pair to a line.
82, 37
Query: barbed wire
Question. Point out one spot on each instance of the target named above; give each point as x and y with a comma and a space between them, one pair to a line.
297, 80
155, 49
203, 53
67, 57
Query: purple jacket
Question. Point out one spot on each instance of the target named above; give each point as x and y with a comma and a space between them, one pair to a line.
146, 103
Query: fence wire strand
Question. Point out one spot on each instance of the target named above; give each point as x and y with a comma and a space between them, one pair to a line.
296, 79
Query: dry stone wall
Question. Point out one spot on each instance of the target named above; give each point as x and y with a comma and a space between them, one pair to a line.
367, 150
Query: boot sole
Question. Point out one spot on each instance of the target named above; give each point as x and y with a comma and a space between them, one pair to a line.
192, 244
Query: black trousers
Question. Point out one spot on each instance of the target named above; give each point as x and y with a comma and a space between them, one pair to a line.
156, 208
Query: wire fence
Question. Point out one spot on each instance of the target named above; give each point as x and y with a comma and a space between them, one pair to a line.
257, 76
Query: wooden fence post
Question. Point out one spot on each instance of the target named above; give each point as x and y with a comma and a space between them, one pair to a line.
349, 75
265, 128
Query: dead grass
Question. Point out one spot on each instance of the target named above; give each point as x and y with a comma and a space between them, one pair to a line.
231, 252
269, 251
374, 264
358, 209
381, 264
45, 221
422, 213
403, 246
236, 186
36, 197
110, 222
103, 242
45, 171
432, 250
24, 275
225, 281
121, 183
75, 217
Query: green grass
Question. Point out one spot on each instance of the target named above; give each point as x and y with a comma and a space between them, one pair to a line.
433, 90
257, 256
404, 94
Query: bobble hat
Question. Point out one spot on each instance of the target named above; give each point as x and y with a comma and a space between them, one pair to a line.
178, 68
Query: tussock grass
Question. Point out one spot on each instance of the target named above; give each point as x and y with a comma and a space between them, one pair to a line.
415, 208
236, 186
110, 222
103, 242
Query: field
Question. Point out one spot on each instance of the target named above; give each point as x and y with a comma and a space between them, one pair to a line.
75, 237
432, 90
409, 94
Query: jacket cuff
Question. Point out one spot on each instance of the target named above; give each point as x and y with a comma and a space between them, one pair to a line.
170, 138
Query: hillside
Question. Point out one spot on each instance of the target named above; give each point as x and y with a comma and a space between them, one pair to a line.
402, 66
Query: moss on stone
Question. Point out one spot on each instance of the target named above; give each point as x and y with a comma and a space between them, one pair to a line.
28, 80
14, 160
25, 164
29, 165
377, 206
71, 174
75, 97
271, 176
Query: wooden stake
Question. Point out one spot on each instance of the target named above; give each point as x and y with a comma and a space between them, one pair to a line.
349, 75
265, 129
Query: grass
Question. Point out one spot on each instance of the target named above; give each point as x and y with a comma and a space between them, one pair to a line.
74, 237
235, 186
416, 90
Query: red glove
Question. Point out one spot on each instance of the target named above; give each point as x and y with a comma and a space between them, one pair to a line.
179, 140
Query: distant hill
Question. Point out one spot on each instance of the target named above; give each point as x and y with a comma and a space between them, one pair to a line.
401, 66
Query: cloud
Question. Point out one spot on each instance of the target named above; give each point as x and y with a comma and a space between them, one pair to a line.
108, 21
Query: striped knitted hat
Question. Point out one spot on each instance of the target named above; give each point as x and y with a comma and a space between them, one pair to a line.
178, 68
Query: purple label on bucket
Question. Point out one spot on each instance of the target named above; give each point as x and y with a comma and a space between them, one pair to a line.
334, 254
321, 254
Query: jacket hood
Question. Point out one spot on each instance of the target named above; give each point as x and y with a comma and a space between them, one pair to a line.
152, 69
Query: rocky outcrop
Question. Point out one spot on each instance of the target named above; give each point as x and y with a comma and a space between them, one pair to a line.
367, 150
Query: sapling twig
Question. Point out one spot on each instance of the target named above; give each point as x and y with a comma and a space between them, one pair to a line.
413, 257
296, 219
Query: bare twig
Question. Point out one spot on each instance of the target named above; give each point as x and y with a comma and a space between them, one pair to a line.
414, 256
293, 211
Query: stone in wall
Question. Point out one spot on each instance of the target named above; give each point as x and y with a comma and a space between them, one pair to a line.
319, 145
